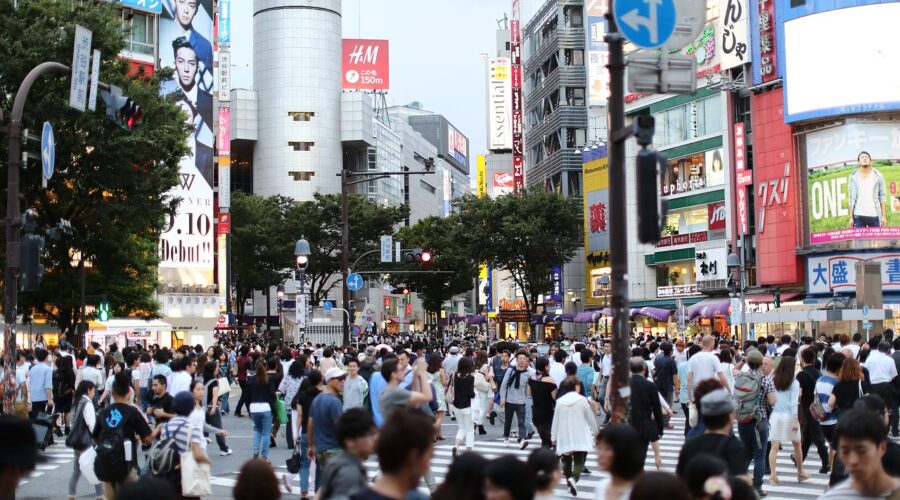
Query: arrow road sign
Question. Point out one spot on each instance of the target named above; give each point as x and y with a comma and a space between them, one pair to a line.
645, 23
354, 282
865, 311
48, 150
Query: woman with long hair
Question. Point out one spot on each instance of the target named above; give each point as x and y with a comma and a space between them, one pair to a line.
438, 382
273, 365
287, 389
465, 479
63, 390
573, 426
542, 389
301, 404
784, 423
262, 397
484, 375
114, 369
463, 391
208, 406
618, 453
85, 415
851, 386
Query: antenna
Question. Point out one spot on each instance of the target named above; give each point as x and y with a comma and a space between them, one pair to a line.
503, 23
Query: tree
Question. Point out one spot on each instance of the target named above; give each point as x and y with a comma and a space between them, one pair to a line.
526, 235
443, 236
110, 183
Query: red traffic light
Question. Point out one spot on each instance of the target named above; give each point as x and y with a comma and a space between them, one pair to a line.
425, 256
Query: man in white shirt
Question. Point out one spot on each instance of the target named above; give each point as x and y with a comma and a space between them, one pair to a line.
785, 344
882, 372
21, 385
183, 375
705, 365
92, 373
558, 366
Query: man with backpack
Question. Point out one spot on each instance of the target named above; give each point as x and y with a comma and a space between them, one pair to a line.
117, 426
754, 393
176, 437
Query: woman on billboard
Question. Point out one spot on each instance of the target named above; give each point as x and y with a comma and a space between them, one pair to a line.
868, 197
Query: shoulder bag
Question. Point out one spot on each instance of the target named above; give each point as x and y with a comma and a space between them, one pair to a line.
195, 477
79, 437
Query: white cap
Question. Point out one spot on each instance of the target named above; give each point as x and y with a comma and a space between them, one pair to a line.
334, 373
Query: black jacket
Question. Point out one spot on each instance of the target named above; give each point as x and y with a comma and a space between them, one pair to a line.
646, 412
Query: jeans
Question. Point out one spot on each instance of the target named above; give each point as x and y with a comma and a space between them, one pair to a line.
519, 411
262, 431
864, 221
465, 430
544, 431
226, 407
243, 399
289, 428
304, 463
573, 464
685, 410
76, 475
811, 433
528, 429
145, 399
755, 440
215, 420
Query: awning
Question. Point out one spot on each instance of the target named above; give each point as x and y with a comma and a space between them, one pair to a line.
477, 319
657, 313
565, 317
537, 319
708, 308
770, 297
585, 317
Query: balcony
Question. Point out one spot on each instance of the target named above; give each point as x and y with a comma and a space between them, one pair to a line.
677, 291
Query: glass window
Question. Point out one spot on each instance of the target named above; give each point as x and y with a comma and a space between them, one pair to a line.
691, 220
574, 184
139, 32
675, 125
709, 116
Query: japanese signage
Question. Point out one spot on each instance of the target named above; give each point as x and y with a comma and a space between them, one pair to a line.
698, 171
733, 31
224, 183
598, 54
95, 81
683, 239
186, 247
595, 175
223, 138
517, 101
837, 273
854, 182
555, 297
457, 144
743, 178
502, 183
706, 51
224, 22
224, 75
81, 61
154, 6
711, 264
224, 223
768, 69
447, 191
717, 220
772, 195
365, 65
499, 105
482, 176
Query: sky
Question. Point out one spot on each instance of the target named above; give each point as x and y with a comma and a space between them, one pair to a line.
435, 53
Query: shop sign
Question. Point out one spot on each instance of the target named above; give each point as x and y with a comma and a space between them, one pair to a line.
676, 290
683, 239
717, 220
773, 194
767, 65
837, 272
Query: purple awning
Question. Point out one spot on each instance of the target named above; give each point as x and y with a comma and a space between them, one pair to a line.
584, 317
657, 313
712, 308
566, 317
537, 319
477, 319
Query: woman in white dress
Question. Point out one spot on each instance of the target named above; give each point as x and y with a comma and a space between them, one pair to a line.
785, 424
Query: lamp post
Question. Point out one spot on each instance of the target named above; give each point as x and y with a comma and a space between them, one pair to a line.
301, 255
736, 263
604, 287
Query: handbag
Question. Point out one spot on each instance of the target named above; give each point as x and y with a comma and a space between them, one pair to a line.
280, 411
450, 393
79, 437
817, 410
481, 383
86, 466
693, 416
293, 463
224, 386
195, 477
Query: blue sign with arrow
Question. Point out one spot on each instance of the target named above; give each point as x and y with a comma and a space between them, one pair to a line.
646, 23
48, 150
354, 282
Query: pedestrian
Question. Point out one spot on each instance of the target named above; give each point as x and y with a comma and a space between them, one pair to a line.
810, 429
464, 479
705, 365
824, 388
619, 454
279, 414
256, 481
542, 388
862, 439
665, 371
160, 367
287, 389
484, 378
646, 411
63, 390
40, 384
707, 478
224, 373
356, 389
377, 384
508, 478
145, 366
261, 398
345, 474
243, 363
717, 412
463, 392
322, 424
18, 453
784, 421
309, 389
147, 488
22, 400
649, 485
182, 375
883, 374
544, 465
513, 396
187, 435
393, 396
852, 385
84, 418
438, 382
572, 432
206, 416
726, 360
404, 448
159, 404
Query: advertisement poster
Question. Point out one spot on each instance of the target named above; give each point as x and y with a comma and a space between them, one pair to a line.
365, 65
598, 54
504, 183
500, 104
837, 273
186, 247
854, 182
595, 172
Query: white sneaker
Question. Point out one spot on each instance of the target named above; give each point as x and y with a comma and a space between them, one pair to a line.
286, 481
506, 442
226, 452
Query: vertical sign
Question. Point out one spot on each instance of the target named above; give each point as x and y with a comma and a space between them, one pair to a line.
95, 79
81, 60
224, 75
742, 177
732, 30
387, 248
499, 109
768, 69
447, 192
482, 176
598, 55
515, 47
224, 23
223, 137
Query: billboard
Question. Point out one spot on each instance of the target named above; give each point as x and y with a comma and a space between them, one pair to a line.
504, 183
224, 22
518, 139
457, 145
499, 104
365, 65
732, 28
595, 174
862, 77
481, 172
598, 54
154, 6
854, 182
837, 273
186, 246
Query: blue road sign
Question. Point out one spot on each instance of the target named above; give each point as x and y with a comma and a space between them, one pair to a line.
355, 330
354, 282
48, 150
646, 23
867, 325
865, 310
327, 305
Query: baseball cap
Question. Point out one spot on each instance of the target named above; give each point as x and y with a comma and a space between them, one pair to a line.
754, 356
718, 402
334, 373
454, 350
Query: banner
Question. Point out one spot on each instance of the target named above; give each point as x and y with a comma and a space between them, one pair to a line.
482, 176
518, 139
598, 54
733, 30
186, 247
224, 22
365, 65
854, 182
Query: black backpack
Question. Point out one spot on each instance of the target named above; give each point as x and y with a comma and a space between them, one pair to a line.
110, 465
164, 454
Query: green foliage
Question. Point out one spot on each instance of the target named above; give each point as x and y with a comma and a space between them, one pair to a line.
526, 235
110, 183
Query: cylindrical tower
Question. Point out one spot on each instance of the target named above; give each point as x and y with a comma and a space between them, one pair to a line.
297, 77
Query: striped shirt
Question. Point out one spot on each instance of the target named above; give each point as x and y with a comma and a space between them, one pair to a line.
182, 430
845, 491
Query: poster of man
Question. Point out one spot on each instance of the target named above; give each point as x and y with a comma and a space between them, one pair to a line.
868, 199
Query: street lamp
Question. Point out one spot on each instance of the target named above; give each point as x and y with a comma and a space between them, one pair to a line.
604, 287
301, 256
736, 263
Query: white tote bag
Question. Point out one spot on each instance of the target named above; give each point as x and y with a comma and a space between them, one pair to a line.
86, 465
224, 386
195, 477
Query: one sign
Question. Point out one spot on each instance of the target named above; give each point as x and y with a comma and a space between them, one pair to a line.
224, 22
597, 53
647, 24
766, 69
481, 182
354, 330
837, 272
867, 325
733, 33
224, 75
387, 248
503, 183
223, 137
735, 311
224, 223
95, 79
518, 102
81, 60
154, 6
365, 65
354, 282
691, 17
397, 252
48, 150
743, 178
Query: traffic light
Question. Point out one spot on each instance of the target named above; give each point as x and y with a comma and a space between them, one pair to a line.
650, 206
30, 268
421, 255
120, 108
103, 312
400, 290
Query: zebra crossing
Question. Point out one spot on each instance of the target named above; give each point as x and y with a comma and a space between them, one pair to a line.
670, 446
56, 456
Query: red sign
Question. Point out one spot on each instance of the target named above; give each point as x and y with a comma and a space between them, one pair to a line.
683, 239
224, 223
768, 69
365, 65
597, 217
716, 216
778, 226
742, 176
408, 310
515, 35
503, 180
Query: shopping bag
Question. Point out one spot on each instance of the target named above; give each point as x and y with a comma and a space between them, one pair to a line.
86, 465
280, 412
224, 386
195, 477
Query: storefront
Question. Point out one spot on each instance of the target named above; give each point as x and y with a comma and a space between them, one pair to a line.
513, 320
130, 331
